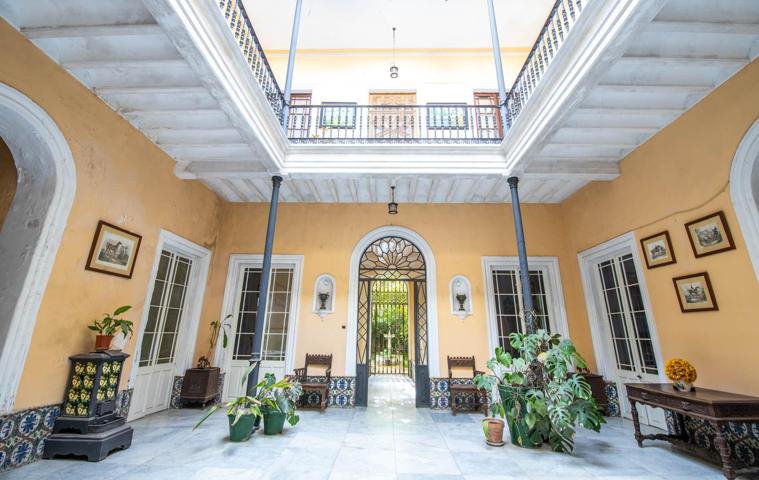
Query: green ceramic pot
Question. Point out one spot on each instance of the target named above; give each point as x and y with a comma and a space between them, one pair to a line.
274, 422
521, 434
243, 429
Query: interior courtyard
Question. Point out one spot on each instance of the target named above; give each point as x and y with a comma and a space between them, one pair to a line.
437, 243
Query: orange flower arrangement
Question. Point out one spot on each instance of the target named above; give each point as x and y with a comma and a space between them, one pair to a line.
680, 371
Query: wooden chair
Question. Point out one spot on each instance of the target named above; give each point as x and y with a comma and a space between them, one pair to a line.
480, 396
301, 375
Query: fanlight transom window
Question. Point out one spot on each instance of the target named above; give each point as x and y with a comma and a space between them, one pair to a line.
392, 258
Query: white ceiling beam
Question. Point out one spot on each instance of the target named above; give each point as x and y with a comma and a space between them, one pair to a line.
700, 28
565, 169
90, 31
193, 135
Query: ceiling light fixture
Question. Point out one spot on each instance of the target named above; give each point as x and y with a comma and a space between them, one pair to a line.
393, 67
392, 207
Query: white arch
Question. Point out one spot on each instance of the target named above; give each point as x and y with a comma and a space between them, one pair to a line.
33, 227
745, 173
433, 347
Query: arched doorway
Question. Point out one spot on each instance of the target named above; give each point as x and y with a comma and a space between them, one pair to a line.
744, 191
387, 263
33, 227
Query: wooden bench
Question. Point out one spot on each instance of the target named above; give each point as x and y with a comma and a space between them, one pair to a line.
301, 375
480, 396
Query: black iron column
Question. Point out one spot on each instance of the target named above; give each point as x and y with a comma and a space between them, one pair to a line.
524, 269
255, 355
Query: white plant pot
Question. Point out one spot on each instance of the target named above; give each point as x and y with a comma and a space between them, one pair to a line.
118, 342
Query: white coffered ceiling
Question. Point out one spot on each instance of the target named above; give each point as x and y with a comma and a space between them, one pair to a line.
173, 70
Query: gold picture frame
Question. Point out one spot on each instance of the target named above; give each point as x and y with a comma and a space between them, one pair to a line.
657, 250
709, 235
695, 293
113, 251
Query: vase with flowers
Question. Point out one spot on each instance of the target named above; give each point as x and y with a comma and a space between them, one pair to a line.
682, 374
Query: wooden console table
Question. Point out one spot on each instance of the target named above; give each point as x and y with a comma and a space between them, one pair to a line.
718, 408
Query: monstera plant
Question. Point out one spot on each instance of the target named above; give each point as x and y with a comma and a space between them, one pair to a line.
538, 393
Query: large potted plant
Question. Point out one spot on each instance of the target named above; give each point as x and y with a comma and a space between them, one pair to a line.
201, 384
538, 392
243, 413
278, 402
109, 326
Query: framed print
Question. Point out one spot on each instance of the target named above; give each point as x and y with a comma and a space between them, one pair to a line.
695, 293
113, 250
658, 250
709, 235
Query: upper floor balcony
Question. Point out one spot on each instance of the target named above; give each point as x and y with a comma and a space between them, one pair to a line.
393, 117
587, 81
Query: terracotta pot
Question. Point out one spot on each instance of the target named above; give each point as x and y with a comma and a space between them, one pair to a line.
103, 342
493, 428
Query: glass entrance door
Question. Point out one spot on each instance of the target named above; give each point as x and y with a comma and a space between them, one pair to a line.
628, 330
276, 325
156, 359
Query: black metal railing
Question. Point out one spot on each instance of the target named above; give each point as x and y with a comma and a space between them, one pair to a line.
239, 23
443, 123
350, 123
560, 21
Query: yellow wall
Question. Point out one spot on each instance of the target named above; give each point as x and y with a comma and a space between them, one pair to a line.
326, 234
435, 75
122, 178
8, 180
679, 175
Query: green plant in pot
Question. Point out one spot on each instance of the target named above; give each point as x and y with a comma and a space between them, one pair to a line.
243, 413
109, 326
217, 327
538, 393
278, 402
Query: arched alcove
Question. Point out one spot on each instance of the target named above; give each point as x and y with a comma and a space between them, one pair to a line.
33, 227
744, 191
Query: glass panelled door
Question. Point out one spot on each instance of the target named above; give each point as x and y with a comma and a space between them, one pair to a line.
276, 325
507, 293
158, 347
627, 329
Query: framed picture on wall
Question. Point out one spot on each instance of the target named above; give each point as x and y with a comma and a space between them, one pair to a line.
658, 250
709, 235
113, 250
695, 293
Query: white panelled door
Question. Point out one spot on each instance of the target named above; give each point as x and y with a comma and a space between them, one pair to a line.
278, 324
156, 357
627, 329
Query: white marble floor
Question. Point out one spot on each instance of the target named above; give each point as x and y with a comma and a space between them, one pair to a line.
388, 440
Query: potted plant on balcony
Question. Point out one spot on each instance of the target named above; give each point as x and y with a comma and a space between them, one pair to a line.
278, 402
540, 396
201, 384
109, 326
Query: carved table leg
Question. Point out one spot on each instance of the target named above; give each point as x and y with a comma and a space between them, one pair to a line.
728, 468
636, 423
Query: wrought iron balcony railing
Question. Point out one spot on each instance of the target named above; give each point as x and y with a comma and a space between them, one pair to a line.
239, 23
560, 21
443, 123
350, 123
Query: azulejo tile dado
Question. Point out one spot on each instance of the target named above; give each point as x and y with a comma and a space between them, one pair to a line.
23, 434
742, 438
341, 393
612, 400
440, 394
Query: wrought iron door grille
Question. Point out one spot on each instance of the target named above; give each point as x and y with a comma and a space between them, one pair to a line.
390, 328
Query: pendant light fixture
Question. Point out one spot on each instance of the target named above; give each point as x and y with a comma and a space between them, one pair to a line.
393, 67
392, 207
